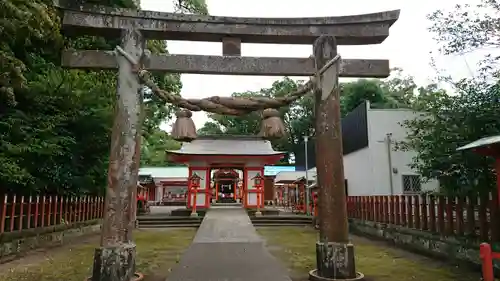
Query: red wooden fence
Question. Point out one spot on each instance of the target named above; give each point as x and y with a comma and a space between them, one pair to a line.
473, 216
25, 212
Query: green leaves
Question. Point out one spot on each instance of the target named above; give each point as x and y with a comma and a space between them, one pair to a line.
299, 117
55, 124
192, 6
450, 122
154, 147
29, 26
468, 28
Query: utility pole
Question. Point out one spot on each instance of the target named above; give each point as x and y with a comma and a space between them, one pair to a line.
389, 161
306, 139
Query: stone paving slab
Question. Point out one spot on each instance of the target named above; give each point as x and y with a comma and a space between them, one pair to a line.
228, 225
227, 248
228, 262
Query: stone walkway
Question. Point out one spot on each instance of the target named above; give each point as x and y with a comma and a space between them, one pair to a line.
227, 248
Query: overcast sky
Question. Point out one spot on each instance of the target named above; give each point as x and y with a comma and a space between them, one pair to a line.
408, 45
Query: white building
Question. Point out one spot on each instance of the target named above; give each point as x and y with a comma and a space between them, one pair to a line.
372, 166
377, 168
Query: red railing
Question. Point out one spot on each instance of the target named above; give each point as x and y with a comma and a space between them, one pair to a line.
25, 212
461, 216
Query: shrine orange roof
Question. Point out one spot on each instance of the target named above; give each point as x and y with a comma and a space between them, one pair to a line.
227, 145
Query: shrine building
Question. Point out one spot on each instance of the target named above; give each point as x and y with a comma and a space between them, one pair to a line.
226, 169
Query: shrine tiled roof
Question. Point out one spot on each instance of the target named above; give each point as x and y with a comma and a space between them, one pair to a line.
294, 176
227, 145
288, 177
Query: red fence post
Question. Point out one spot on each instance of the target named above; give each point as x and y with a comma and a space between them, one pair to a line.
97, 207
387, 209
92, 207
409, 211
471, 215
432, 213
459, 211
21, 214
483, 221
397, 211
376, 199
101, 215
417, 207
71, 210
3, 215
49, 211
392, 216
28, 222
450, 221
363, 207
494, 218
82, 215
87, 208
61, 201
372, 208
381, 217
37, 207
54, 218
80, 208
66, 209
43, 210
404, 218
425, 216
487, 261
96, 214
12, 212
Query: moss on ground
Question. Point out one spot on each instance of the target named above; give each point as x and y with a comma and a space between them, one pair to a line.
157, 252
294, 246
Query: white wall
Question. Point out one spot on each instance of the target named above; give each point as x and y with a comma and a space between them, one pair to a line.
358, 172
367, 170
380, 123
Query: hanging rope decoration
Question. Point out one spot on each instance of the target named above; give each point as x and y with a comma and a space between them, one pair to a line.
184, 129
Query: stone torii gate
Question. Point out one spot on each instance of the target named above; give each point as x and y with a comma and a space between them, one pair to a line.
115, 259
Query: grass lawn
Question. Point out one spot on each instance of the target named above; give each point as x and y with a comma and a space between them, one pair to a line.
157, 252
294, 246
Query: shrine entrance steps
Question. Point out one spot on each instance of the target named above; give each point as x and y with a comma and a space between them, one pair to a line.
227, 247
220, 204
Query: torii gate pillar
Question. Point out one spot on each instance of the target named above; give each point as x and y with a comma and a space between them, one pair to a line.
114, 260
334, 252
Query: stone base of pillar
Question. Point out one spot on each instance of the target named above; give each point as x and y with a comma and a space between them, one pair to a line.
194, 214
258, 214
313, 276
115, 264
335, 261
238, 200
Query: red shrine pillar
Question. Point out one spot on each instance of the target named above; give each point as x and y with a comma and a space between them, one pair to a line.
250, 190
202, 191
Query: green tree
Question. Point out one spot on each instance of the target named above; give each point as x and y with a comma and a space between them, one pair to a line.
468, 28
299, 117
55, 124
154, 147
450, 121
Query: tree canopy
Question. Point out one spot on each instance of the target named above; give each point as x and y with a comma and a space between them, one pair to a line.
299, 117
451, 121
54, 123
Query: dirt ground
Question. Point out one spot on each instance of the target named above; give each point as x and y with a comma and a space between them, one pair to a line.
158, 251
294, 246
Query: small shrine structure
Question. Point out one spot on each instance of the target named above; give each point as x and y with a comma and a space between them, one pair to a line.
228, 168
